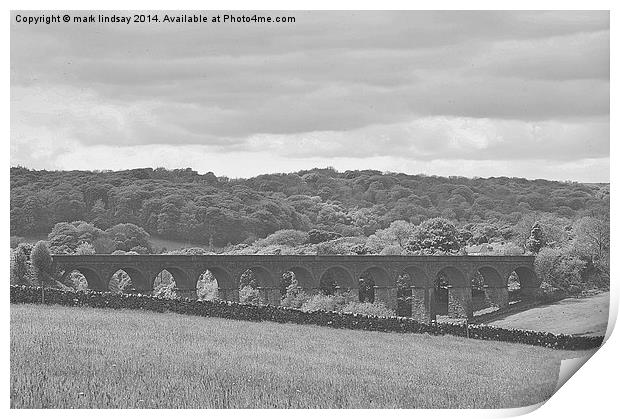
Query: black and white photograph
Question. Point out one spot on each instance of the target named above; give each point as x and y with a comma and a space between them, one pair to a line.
306, 209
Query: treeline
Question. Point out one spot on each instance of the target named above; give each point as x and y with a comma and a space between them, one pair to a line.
217, 211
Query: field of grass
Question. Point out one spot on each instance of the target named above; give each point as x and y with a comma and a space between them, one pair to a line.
64, 357
586, 316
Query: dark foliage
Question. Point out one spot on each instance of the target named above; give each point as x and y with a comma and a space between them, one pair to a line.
182, 204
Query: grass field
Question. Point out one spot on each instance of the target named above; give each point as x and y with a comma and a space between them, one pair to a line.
65, 357
586, 316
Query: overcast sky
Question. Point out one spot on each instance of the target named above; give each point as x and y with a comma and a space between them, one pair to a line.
449, 93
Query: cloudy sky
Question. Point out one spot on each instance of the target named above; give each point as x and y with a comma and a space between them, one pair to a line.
449, 93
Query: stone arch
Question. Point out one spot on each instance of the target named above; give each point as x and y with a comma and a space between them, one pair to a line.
488, 289
181, 281
527, 277
139, 280
417, 277
261, 287
305, 278
341, 276
93, 278
181, 277
223, 277
264, 277
379, 275
491, 277
453, 276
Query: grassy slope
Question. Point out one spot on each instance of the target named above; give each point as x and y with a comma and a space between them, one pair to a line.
82, 357
586, 316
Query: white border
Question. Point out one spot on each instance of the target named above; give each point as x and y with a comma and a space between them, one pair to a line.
592, 393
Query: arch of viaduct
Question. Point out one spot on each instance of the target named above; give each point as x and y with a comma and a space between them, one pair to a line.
309, 269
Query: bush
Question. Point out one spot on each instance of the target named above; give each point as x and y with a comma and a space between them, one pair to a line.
20, 268
15, 241
41, 260
295, 299
560, 269
329, 302
341, 246
284, 238
249, 295
206, 287
320, 236
369, 309
320, 302
392, 250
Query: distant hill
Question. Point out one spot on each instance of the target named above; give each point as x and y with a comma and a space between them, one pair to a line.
185, 206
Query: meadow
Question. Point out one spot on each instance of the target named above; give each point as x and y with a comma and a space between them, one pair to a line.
586, 316
67, 357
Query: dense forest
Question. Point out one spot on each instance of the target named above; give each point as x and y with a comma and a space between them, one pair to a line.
218, 211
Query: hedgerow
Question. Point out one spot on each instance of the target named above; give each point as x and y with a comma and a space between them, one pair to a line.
237, 311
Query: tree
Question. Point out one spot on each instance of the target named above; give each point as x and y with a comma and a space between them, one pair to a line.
536, 240
320, 236
592, 240
85, 249
41, 260
397, 234
436, 235
126, 236
66, 237
19, 267
284, 238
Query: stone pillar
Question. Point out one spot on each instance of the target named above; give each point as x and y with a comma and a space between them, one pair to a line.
269, 296
387, 295
459, 302
186, 293
421, 305
530, 292
228, 294
497, 296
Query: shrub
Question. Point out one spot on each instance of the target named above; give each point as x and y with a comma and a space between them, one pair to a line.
320, 236
206, 288
329, 302
392, 250
340, 246
249, 295
284, 238
41, 260
85, 249
320, 302
20, 269
369, 309
560, 269
511, 249
15, 241
295, 298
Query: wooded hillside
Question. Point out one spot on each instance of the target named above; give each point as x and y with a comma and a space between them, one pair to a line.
209, 209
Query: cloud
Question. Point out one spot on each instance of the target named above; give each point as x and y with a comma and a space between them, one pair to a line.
423, 85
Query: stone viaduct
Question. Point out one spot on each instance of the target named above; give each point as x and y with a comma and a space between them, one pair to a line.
422, 271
